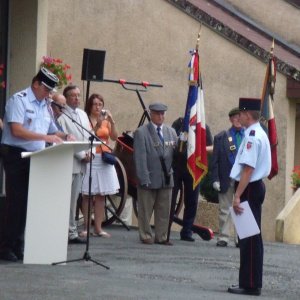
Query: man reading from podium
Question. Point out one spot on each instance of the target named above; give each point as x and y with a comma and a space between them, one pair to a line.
28, 125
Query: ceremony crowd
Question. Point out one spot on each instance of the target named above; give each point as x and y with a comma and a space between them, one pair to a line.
39, 117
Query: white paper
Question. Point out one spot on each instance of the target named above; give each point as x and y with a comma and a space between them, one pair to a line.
245, 223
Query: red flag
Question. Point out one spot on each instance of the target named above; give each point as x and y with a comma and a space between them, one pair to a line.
267, 112
194, 123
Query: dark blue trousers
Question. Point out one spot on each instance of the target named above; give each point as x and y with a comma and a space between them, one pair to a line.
190, 199
15, 203
252, 249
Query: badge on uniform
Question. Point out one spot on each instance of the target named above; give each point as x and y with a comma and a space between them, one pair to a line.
252, 133
249, 145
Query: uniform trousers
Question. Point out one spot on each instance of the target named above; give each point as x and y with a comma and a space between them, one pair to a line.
159, 201
191, 196
15, 203
251, 249
225, 202
75, 191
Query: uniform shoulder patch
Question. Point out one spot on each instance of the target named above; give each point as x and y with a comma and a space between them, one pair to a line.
21, 94
252, 133
249, 145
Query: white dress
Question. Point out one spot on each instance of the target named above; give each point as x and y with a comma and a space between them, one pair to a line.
104, 178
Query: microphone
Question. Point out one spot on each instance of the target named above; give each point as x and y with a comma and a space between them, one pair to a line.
56, 104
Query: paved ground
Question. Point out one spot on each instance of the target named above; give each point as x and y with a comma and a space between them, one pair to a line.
186, 271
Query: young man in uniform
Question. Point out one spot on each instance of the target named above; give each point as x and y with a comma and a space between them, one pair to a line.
252, 164
28, 125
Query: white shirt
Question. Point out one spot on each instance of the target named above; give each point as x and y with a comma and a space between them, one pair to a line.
255, 152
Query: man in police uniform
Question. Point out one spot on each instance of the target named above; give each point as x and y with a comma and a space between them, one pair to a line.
252, 164
154, 145
28, 125
226, 145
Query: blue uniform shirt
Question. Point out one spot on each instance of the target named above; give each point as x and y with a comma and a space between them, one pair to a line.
34, 115
255, 152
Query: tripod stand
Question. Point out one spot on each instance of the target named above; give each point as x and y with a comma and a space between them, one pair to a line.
86, 255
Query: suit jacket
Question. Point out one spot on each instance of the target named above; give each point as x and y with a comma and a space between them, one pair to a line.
80, 134
146, 157
221, 164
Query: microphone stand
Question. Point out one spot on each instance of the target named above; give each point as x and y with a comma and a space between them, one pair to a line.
86, 255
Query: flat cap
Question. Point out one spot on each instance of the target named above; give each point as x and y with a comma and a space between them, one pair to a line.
249, 104
234, 111
157, 106
47, 78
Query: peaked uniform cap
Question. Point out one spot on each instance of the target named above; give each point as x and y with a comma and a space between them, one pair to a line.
47, 78
249, 104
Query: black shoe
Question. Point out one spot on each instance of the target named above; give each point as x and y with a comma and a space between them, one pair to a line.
9, 256
241, 291
166, 243
221, 244
77, 240
187, 238
19, 254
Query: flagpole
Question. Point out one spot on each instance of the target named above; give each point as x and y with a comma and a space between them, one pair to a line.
183, 135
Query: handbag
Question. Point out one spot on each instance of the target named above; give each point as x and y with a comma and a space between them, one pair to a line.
109, 158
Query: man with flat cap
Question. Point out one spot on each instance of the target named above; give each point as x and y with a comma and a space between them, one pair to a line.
154, 145
226, 145
28, 125
252, 164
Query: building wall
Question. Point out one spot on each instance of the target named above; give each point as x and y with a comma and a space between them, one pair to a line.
278, 16
150, 40
27, 41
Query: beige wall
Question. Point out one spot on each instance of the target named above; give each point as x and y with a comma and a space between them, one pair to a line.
275, 15
28, 41
150, 40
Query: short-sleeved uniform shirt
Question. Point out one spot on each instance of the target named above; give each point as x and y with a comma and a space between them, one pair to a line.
254, 152
34, 115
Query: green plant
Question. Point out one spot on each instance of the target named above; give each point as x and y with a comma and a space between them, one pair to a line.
59, 68
296, 176
206, 189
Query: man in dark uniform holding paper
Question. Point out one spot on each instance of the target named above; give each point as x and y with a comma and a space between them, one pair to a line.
252, 164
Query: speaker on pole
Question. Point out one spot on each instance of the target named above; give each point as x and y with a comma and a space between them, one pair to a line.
93, 65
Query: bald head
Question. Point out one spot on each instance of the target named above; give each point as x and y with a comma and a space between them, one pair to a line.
59, 99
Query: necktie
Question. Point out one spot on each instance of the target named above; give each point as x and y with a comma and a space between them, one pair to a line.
159, 134
238, 139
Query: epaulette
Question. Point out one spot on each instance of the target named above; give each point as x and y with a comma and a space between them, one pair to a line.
21, 94
252, 133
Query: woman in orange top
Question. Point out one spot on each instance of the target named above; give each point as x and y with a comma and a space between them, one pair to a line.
104, 176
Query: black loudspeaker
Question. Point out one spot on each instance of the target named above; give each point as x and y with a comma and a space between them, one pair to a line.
93, 65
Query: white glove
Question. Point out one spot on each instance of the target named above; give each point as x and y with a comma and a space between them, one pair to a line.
216, 186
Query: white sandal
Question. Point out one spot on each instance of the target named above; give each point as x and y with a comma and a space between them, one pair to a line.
102, 234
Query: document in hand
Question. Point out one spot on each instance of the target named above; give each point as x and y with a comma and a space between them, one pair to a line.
245, 223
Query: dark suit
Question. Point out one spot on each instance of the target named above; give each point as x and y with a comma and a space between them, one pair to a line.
154, 192
222, 161
182, 175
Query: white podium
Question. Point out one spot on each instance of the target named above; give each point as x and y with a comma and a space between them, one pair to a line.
48, 208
